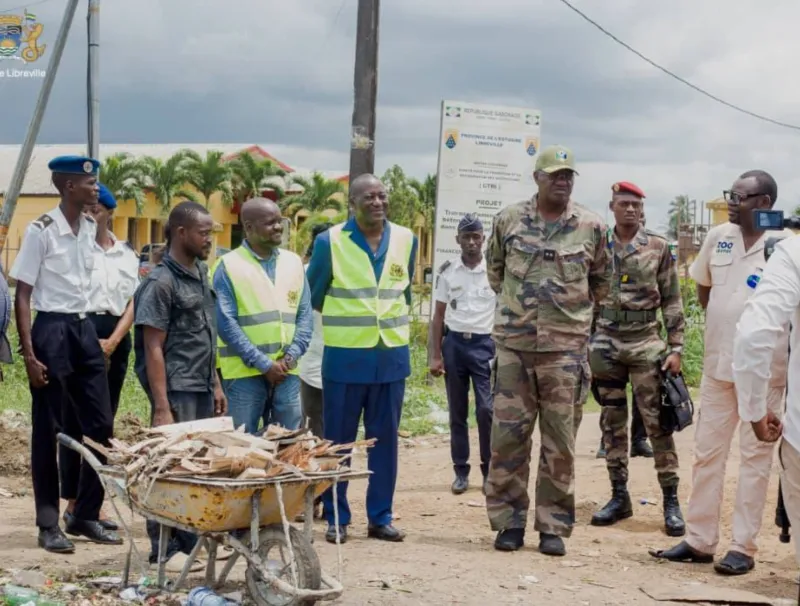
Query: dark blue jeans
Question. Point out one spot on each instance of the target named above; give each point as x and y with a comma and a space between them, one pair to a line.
185, 406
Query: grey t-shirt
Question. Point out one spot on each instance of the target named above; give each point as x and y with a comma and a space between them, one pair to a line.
5, 319
182, 304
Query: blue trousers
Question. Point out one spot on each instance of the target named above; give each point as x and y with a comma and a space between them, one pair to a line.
249, 402
465, 360
381, 405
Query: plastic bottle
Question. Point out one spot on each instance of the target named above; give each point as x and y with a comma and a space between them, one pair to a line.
23, 596
203, 596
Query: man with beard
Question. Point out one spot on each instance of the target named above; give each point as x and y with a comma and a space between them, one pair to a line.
175, 328
726, 270
360, 276
627, 345
63, 358
548, 260
465, 305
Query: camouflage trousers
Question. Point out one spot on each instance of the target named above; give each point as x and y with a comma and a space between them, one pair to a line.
553, 387
613, 362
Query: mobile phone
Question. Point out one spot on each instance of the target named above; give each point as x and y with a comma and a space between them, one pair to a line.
768, 219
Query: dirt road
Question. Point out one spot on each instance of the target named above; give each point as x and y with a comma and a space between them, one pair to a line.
448, 556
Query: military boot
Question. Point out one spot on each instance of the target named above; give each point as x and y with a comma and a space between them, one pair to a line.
674, 525
618, 508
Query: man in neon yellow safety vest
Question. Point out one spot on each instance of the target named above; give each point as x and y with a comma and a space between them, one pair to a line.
360, 276
264, 322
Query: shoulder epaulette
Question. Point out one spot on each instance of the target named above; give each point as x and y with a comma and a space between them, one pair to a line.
655, 234
444, 266
89, 218
44, 221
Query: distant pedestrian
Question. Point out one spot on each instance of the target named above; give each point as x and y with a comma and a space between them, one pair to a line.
175, 342
63, 357
464, 306
115, 276
548, 261
264, 322
5, 320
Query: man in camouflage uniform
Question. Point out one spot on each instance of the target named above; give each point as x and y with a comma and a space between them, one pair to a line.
627, 344
548, 260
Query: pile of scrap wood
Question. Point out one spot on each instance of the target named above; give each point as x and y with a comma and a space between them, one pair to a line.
214, 448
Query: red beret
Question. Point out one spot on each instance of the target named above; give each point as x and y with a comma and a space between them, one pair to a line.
628, 188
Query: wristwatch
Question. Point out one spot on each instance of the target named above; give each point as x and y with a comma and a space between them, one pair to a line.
291, 363
677, 350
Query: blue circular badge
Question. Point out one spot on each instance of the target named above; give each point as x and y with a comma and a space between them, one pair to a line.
753, 280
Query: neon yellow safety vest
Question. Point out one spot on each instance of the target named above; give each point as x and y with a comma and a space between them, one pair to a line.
359, 311
267, 311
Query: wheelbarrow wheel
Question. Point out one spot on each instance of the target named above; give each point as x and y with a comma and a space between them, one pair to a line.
274, 552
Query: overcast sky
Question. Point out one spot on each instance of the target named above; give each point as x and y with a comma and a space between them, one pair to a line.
280, 73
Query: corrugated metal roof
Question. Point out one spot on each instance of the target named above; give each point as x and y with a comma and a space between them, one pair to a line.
37, 179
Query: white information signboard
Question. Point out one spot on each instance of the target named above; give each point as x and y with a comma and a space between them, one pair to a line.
486, 158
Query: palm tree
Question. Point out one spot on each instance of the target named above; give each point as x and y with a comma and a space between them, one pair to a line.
426, 196
302, 238
679, 213
167, 179
319, 194
122, 174
251, 176
210, 175
403, 201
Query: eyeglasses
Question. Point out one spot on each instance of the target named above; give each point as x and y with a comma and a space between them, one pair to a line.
734, 197
634, 204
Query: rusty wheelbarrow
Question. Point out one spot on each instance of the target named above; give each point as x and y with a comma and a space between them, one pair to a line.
251, 516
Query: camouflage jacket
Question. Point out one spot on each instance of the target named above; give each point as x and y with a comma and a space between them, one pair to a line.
546, 282
645, 277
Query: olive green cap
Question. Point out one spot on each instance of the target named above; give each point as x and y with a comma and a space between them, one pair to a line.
554, 158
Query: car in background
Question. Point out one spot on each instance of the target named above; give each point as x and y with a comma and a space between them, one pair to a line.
145, 262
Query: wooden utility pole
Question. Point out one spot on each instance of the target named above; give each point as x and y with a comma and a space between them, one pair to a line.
365, 84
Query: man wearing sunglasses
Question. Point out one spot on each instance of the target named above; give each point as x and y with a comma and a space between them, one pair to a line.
727, 271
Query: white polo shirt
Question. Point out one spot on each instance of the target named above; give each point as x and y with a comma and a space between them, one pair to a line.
115, 276
470, 300
57, 263
725, 266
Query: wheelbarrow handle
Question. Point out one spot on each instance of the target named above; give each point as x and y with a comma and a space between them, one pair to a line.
82, 450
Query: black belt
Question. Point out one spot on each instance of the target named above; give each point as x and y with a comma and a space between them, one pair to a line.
629, 315
467, 336
57, 315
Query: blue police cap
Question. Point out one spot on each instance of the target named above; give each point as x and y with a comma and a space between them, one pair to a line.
74, 165
106, 198
470, 222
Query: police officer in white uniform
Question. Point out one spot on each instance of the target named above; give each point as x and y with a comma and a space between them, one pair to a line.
63, 357
465, 304
114, 278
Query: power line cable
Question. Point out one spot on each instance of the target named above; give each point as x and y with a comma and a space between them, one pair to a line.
671, 74
23, 6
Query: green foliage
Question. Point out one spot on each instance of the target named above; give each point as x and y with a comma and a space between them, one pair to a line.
302, 237
403, 200
678, 213
319, 194
210, 175
167, 179
252, 175
125, 178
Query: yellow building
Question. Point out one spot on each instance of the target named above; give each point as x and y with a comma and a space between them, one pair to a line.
717, 212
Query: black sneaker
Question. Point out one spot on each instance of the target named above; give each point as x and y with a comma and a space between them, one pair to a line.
550, 544
460, 485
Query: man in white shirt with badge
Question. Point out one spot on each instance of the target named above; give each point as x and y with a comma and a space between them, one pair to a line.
465, 305
63, 358
727, 271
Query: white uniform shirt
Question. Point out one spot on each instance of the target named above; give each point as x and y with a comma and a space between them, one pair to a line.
310, 365
469, 298
57, 263
760, 335
725, 266
115, 276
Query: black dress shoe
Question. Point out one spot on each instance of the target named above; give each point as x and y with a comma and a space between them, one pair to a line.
330, 534
386, 533
550, 544
682, 552
107, 524
54, 541
94, 531
460, 485
735, 563
510, 539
